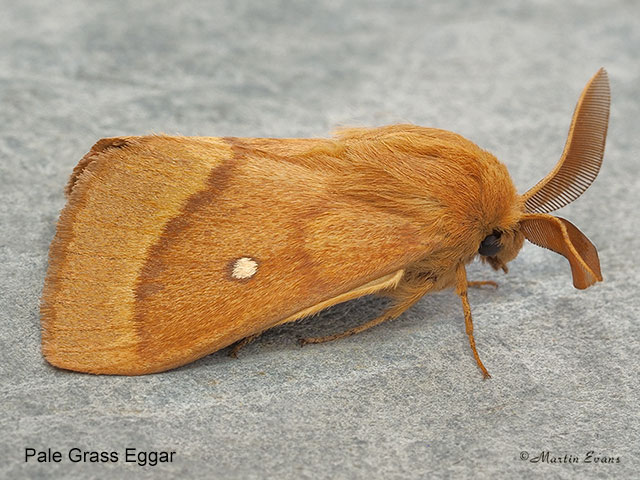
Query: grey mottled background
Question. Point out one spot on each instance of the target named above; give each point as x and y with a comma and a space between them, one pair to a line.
403, 400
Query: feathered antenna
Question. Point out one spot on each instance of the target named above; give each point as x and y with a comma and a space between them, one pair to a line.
582, 156
577, 169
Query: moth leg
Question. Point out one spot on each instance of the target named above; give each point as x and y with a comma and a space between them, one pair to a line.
376, 321
239, 345
404, 302
461, 290
481, 283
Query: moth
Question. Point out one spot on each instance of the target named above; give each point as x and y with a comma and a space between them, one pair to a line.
171, 248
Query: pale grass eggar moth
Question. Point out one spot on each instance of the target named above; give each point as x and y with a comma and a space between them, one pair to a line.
171, 248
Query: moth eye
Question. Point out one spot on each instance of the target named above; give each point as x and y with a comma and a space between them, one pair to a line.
490, 246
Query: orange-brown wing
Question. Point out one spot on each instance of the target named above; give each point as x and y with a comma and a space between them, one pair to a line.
171, 248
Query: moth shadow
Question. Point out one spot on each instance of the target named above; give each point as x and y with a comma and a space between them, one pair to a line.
332, 320
335, 319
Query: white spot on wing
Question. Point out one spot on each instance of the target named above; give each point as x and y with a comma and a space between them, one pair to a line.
244, 268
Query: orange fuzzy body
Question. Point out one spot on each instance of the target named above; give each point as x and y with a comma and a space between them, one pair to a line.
140, 273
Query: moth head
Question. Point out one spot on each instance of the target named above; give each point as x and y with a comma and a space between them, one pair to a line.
501, 246
577, 169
